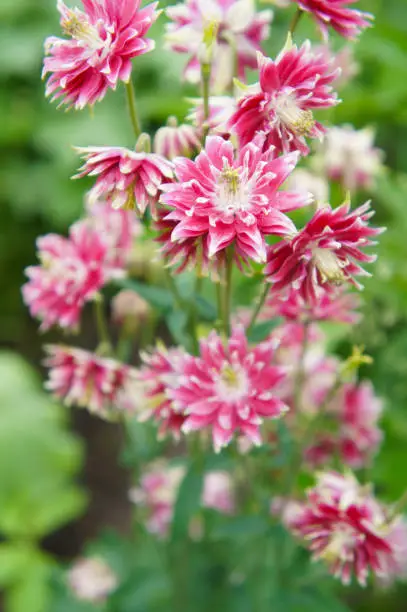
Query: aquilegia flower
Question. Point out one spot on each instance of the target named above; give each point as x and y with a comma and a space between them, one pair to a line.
337, 14
174, 140
126, 179
102, 41
239, 28
281, 104
228, 200
325, 253
80, 378
71, 272
345, 526
229, 389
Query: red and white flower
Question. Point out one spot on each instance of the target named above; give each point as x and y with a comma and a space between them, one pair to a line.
126, 179
345, 526
281, 104
325, 253
229, 388
230, 200
174, 140
238, 27
102, 41
337, 14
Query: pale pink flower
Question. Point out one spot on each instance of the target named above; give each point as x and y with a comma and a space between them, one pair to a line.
174, 140
218, 492
71, 273
80, 378
229, 388
344, 525
102, 41
325, 253
232, 200
239, 30
92, 579
337, 14
221, 108
281, 104
125, 179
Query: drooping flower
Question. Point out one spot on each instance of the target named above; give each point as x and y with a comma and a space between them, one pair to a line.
218, 492
349, 157
229, 389
102, 41
83, 379
232, 201
337, 14
325, 253
92, 579
125, 179
281, 104
238, 29
174, 140
71, 273
221, 108
345, 526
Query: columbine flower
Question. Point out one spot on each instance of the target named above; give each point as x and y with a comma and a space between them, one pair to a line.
349, 157
71, 273
237, 27
229, 389
336, 14
218, 492
324, 254
174, 140
102, 42
80, 378
281, 104
345, 526
92, 580
221, 108
232, 200
126, 179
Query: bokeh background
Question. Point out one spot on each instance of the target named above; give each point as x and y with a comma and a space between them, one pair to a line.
63, 482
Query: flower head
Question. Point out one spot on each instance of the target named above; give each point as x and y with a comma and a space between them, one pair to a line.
102, 40
346, 21
345, 526
92, 579
236, 28
324, 254
231, 200
229, 388
126, 179
174, 140
281, 104
80, 378
71, 273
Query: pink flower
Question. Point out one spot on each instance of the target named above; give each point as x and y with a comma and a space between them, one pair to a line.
92, 580
281, 104
238, 28
71, 273
126, 179
218, 492
228, 200
324, 254
174, 140
336, 14
84, 379
229, 389
345, 526
102, 42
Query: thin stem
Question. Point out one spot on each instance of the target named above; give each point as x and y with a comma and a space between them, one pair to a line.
105, 346
259, 306
295, 20
206, 78
131, 102
228, 289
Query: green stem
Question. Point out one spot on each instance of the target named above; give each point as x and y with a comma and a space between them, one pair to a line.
228, 289
259, 306
295, 20
206, 78
105, 346
131, 102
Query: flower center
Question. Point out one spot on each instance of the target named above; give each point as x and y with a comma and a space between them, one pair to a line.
232, 195
329, 266
76, 26
295, 118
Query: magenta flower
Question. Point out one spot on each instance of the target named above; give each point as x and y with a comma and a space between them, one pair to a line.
80, 378
229, 389
345, 526
239, 29
232, 201
346, 21
325, 253
281, 104
71, 273
126, 179
174, 140
102, 42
